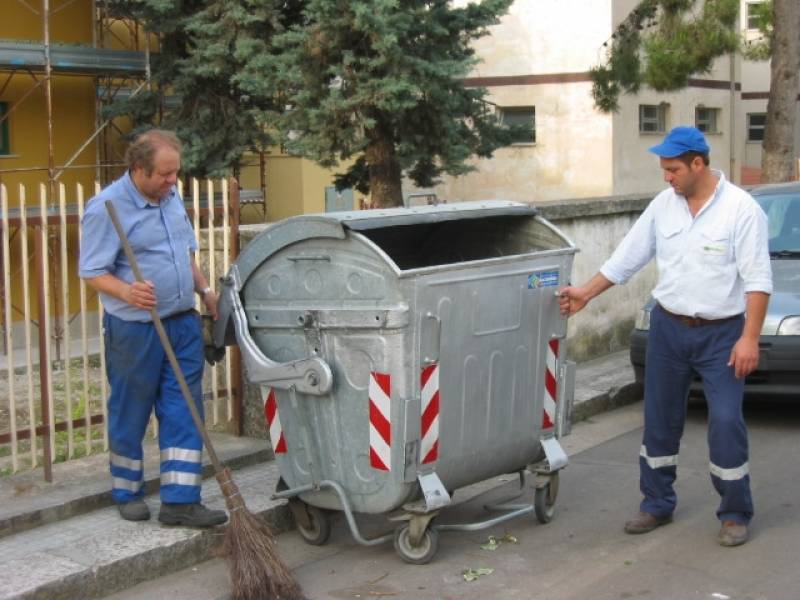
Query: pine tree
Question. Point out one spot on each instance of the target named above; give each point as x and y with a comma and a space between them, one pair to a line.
379, 83
205, 49
662, 43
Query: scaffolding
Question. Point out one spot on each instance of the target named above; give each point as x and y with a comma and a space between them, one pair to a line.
114, 71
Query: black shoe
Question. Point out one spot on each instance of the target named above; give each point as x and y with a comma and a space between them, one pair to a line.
135, 510
191, 515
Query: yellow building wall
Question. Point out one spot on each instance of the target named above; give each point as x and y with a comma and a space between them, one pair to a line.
70, 22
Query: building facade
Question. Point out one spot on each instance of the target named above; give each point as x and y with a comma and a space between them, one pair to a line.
535, 65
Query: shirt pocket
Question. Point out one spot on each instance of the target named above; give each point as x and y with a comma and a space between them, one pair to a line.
668, 239
185, 235
715, 247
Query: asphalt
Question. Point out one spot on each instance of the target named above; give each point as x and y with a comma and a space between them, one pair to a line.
65, 540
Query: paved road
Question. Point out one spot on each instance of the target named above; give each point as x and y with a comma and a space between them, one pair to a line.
583, 553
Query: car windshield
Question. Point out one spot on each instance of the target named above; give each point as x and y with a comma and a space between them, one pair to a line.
783, 213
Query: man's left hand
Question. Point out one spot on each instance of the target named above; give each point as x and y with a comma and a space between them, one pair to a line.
211, 299
744, 357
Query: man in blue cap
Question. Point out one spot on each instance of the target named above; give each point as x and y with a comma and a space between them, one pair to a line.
709, 239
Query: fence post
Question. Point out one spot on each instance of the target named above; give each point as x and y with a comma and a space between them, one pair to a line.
40, 253
236, 357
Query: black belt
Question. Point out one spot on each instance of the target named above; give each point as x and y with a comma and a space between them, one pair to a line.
698, 321
183, 313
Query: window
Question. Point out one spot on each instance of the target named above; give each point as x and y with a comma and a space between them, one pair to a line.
753, 14
523, 117
706, 119
755, 126
652, 118
4, 147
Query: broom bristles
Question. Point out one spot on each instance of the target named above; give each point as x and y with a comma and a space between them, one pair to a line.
257, 571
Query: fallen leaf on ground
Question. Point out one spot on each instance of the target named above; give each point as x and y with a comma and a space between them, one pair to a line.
473, 574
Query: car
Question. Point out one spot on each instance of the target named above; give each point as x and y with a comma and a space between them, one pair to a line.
778, 373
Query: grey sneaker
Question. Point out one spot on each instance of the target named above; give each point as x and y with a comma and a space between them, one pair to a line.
135, 510
732, 534
191, 515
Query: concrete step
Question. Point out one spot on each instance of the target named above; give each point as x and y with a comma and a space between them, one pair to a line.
97, 553
83, 485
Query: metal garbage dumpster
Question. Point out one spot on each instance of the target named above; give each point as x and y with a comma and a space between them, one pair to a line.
403, 354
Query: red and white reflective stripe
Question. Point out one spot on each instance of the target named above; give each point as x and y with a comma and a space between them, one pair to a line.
429, 384
380, 422
273, 421
549, 416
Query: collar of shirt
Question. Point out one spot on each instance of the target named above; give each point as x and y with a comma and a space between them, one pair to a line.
139, 199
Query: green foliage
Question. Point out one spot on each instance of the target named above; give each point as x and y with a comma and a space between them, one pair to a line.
761, 49
379, 82
208, 59
661, 44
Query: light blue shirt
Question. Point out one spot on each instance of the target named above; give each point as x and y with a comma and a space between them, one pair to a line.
706, 263
161, 237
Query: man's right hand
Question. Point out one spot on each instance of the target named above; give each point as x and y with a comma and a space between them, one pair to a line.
141, 294
571, 300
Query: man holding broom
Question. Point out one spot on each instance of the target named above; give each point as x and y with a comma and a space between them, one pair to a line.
154, 219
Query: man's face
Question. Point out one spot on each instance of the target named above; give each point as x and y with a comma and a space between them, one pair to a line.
682, 177
156, 185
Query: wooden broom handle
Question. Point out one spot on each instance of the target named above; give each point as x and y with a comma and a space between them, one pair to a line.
162, 334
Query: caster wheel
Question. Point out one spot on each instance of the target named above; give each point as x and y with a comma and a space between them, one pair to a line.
419, 555
320, 530
544, 501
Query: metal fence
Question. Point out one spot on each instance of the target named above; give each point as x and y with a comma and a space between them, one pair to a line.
53, 389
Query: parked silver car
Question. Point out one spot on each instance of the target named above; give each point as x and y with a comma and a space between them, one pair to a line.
778, 372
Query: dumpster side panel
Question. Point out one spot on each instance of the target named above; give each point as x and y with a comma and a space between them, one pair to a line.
338, 300
494, 323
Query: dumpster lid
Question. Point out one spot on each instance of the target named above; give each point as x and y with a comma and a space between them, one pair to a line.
362, 220
334, 224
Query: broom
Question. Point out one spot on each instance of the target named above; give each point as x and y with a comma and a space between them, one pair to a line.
257, 572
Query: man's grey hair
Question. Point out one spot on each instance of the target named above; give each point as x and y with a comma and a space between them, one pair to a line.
142, 150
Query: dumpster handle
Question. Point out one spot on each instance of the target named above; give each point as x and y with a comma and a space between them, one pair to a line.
348, 511
310, 375
311, 451
430, 339
318, 257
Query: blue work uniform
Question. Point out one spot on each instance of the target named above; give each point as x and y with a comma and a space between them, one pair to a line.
139, 373
707, 263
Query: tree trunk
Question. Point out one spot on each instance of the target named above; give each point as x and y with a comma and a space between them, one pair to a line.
385, 176
777, 161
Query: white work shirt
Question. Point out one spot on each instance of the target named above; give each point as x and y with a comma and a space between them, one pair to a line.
706, 263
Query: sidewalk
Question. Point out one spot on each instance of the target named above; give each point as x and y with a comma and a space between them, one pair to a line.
66, 540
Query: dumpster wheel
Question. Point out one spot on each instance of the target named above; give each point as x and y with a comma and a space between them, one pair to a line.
544, 501
319, 529
421, 554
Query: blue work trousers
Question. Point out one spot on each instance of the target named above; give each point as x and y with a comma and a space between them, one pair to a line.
675, 352
142, 380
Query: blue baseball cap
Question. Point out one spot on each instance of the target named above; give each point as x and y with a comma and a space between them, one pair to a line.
681, 140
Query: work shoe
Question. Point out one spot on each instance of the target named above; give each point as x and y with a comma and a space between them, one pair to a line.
191, 515
135, 510
732, 534
645, 523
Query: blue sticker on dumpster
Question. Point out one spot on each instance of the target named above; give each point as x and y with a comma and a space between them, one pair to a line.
540, 279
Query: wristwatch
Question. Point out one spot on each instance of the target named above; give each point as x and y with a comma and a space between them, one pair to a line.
204, 291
